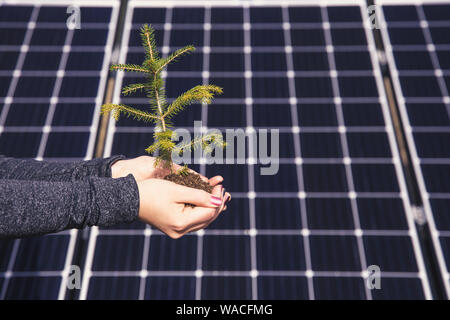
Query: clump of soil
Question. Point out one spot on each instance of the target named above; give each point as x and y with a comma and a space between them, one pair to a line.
191, 180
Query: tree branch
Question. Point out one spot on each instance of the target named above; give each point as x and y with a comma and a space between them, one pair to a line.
129, 111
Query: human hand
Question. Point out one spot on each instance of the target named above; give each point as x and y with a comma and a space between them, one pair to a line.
143, 168
162, 204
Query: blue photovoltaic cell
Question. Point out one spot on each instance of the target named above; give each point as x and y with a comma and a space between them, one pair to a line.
8, 60
169, 254
377, 213
319, 218
400, 246
277, 213
334, 253
226, 288
42, 253
33, 288
20, 144
114, 288
285, 288
35, 68
170, 288
338, 288
226, 253
424, 83
73, 114
407, 289
272, 251
121, 253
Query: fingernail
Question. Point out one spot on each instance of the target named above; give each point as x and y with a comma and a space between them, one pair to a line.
223, 191
216, 201
229, 198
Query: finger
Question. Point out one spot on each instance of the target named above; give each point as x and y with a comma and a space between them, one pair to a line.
222, 193
202, 225
227, 198
195, 218
197, 197
215, 180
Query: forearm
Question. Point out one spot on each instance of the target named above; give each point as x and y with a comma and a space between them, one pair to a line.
30, 169
38, 207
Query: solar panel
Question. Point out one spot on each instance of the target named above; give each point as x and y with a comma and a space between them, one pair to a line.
52, 84
339, 201
417, 46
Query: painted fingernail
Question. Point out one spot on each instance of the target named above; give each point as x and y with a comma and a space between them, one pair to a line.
216, 201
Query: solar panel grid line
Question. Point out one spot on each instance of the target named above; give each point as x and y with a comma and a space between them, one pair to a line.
402, 99
263, 273
87, 273
144, 273
34, 273
297, 150
37, 128
50, 73
355, 129
344, 144
444, 233
218, 232
42, 48
422, 274
67, 265
9, 269
250, 150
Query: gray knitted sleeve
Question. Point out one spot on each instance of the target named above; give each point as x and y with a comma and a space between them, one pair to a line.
36, 198
30, 169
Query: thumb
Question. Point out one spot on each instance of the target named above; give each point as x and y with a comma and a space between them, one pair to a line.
197, 197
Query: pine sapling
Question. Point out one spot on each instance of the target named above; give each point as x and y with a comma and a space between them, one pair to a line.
161, 113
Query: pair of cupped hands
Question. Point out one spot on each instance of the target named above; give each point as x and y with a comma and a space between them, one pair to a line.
162, 202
